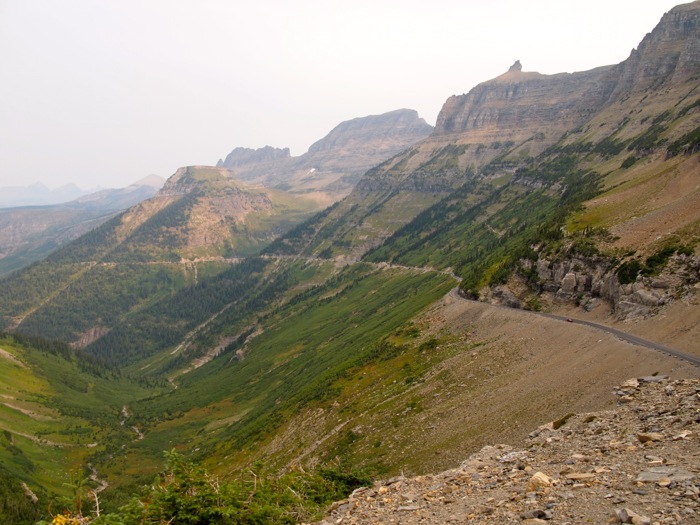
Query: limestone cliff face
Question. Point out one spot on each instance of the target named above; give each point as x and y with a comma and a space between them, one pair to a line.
518, 105
669, 54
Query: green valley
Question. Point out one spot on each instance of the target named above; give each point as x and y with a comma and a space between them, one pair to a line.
281, 355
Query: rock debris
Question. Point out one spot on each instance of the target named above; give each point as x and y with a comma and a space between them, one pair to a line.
638, 463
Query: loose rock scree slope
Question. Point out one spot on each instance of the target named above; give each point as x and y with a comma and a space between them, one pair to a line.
638, 463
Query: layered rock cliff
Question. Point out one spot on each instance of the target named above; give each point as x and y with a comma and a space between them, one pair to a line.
517, 105
518, 114
670, 54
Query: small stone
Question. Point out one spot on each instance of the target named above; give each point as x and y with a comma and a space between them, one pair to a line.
626, 515
654, 474
682, 435
653, 379
646, 437
533, 514
538, 481
630, 383
580, 476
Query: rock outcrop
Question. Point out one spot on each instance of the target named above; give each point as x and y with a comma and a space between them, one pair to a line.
587, 280
518, 105
637, 463
669, 54
519, 113
383, 132
205, 211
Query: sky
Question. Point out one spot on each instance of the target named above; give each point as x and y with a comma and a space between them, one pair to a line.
101, 93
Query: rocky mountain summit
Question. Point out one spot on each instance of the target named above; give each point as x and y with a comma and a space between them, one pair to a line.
637, 463
335, 163
671, 52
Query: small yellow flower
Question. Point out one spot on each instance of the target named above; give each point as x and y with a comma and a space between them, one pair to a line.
67, 519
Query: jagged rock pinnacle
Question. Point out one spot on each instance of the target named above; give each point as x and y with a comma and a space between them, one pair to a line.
516, 67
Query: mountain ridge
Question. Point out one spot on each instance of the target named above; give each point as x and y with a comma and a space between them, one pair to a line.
345, 341
334, 163
482, 129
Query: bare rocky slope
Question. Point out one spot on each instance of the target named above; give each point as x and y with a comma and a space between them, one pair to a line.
635, 463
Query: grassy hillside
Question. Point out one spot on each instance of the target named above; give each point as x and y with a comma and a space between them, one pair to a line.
61, 411
339, 343
202, 221
239, 399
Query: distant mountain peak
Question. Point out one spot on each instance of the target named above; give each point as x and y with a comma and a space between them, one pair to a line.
332, 165
245, 156
153, 181
517, 66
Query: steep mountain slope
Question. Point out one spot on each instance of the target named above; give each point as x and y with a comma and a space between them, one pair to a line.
29, 234
192, 228
505, 159
350, 340
334, 164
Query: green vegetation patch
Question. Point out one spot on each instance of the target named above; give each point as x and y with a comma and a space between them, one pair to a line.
60, 410
629, 270
305, 348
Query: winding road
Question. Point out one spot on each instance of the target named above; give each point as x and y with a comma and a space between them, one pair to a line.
633, 339
630, 338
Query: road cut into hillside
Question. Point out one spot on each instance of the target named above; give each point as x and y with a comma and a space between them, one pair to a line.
512, 370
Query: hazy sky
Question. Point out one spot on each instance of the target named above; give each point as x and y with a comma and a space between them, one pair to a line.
104, 92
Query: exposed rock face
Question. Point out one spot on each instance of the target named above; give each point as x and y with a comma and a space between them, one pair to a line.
519, 114
669, 54
585, 280
333, 164
382, 132
517, 104
213, 214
